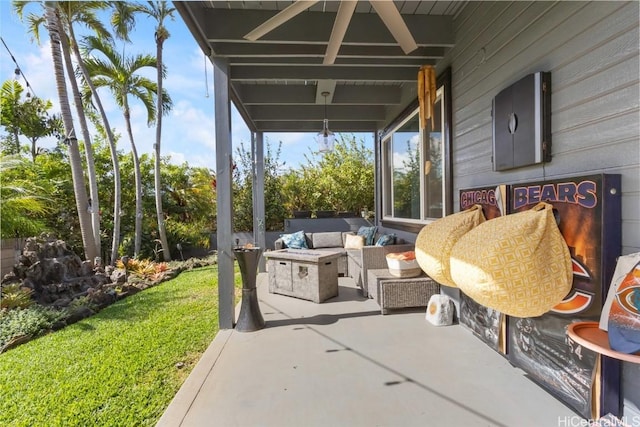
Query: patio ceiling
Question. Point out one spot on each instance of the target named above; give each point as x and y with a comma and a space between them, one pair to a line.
276, 81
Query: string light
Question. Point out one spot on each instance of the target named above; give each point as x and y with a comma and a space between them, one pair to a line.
18, 71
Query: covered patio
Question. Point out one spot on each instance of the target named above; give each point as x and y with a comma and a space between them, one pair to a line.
342, 363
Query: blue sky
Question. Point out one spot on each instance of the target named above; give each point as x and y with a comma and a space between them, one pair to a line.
188, 130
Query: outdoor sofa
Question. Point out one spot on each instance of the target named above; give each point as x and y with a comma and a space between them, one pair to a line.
352, 262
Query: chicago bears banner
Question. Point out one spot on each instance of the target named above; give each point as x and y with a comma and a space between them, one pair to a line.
587, 209
486, 323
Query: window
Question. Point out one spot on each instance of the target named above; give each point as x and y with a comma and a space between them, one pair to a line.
416, 167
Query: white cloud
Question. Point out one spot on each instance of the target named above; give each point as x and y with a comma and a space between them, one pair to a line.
292, 138
176, 158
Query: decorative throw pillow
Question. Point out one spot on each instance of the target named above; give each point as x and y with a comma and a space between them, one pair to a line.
386, 239
369, 234
353, 242
295, 240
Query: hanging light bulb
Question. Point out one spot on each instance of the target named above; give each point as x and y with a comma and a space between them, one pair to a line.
325, 138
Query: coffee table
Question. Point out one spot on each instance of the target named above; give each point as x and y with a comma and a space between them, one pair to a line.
302, 273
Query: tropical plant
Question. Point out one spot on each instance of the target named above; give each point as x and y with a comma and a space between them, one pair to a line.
9, 104
190, 203
29, 118
22, 202
119, 74
14, 296
144, 268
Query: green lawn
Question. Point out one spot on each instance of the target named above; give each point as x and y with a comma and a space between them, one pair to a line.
117, 368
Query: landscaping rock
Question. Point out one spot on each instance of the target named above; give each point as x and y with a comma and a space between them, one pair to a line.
118, 276
61, 303
101, 298
80, 313
86, 268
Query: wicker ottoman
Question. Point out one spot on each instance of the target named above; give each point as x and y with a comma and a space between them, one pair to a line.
394, 292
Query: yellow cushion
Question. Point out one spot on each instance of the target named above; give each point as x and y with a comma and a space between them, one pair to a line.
518, 264
435, 240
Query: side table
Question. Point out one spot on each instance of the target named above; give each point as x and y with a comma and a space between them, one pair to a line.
400, 292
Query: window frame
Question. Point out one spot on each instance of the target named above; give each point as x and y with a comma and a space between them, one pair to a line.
443, 84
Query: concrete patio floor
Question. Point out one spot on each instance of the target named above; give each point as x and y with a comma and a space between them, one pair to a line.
341, 363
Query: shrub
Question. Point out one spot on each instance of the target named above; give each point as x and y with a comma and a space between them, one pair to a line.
14, 296
26, 321
144, 268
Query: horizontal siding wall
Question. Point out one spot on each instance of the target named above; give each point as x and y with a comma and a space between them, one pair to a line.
592, 52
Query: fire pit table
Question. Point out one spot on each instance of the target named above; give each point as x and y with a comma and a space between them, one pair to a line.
307, 274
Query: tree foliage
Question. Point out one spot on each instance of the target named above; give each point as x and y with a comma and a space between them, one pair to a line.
341, 180
243, 189
25, 116
406, 184
23, 203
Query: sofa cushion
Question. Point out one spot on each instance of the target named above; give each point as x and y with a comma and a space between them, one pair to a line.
344, 236
355, 255
330, 239
353, 242
295, 240
369, 234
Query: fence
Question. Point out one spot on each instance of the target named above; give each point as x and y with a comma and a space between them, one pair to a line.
10, 249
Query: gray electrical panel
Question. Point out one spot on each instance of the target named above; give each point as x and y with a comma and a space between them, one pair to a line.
522, 123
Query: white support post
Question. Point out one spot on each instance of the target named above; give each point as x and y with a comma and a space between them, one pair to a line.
259, 224
224, 165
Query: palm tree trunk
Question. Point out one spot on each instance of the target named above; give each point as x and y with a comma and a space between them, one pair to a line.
53, 25
159, 213
117, 186
136, 170
88, 148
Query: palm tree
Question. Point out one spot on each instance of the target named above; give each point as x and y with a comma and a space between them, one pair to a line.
93, 204
52, 20
73, 12
159, 11
69, 9
118, 73
82, 12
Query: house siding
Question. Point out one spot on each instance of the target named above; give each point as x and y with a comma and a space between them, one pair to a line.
592, 52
